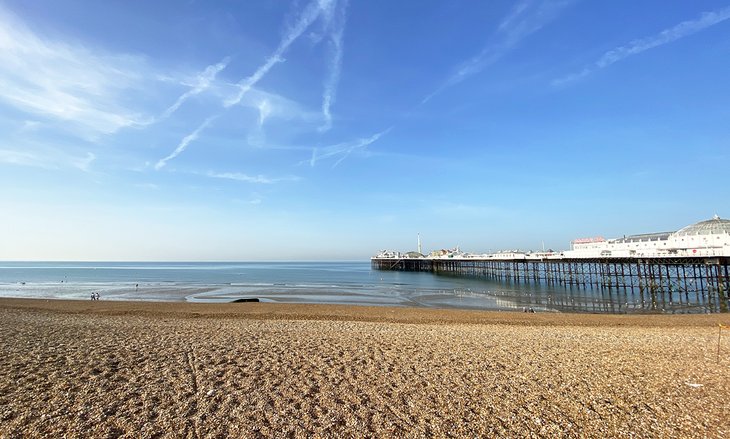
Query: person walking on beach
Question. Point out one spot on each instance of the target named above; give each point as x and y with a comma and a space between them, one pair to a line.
93, 296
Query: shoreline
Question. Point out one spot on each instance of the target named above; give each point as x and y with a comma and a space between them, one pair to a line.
364, 313
171, 369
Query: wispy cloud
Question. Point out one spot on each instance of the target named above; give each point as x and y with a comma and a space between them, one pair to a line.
343, 150
184, 143
260, 179
264, 111
270, 105
24, 158
84, 163
336, 26
44, 157
66, 82
681, 30
310, 14
257, 135
525, 18
201, 83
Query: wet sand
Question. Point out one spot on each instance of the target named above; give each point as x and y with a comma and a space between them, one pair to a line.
141, 369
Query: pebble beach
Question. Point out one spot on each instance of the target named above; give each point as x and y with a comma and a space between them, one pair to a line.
145, 369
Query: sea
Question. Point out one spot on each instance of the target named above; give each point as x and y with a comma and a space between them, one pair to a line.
348, 282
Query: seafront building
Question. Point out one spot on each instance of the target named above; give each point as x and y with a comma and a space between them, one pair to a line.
703, 239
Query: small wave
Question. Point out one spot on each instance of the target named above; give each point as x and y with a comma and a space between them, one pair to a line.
250, 284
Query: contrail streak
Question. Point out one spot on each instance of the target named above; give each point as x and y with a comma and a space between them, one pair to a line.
635, 47
523, 20
335, 64
344, 149
310, 14
184, 143
203, 82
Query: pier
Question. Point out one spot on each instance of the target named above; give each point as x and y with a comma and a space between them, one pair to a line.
706, 279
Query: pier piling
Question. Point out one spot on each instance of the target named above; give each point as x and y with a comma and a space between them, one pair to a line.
656, 279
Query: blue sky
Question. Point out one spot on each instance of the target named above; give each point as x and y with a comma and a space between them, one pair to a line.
331, 129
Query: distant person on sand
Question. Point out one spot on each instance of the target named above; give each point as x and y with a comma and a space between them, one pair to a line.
93, 296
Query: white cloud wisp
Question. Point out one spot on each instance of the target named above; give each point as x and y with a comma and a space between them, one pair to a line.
260, 179
336, 24
310, 14
681, 30
66, 82
202, 82
524, 19
343, 150
24, 158
46, 157
184, 143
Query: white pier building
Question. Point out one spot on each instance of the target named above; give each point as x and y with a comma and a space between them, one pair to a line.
702, 239
709, 238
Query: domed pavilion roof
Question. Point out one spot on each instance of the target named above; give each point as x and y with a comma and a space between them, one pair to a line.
714, 226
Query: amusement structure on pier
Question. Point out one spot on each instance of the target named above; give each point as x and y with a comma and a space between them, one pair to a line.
692, 260
710, 238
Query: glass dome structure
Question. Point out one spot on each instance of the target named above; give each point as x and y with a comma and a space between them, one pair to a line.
714, 226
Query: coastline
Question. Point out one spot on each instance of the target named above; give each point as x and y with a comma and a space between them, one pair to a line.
366, 313
83, 368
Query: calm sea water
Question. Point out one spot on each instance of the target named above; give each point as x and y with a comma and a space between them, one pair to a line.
311, 282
